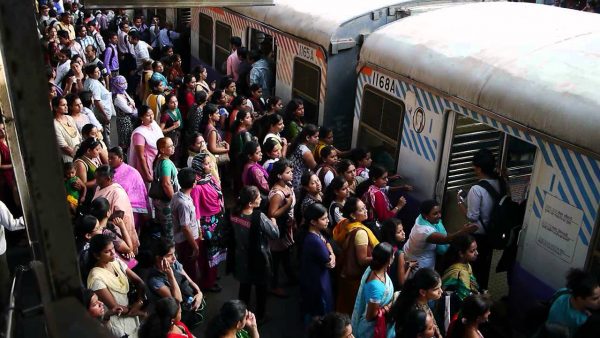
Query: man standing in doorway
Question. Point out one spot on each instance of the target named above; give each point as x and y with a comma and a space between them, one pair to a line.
233, 61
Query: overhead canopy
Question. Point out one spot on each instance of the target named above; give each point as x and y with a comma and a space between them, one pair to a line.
315, 20
534, 64
172, 3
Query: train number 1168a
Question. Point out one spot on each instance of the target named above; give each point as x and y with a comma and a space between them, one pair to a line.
384, 82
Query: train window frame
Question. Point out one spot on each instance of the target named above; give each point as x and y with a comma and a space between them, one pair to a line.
362, 125
225, 50
209, 41
305, 96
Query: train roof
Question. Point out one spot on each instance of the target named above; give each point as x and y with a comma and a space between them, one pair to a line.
318, 20
534, 64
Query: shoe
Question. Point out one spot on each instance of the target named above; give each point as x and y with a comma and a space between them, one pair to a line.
279, 292
215, 288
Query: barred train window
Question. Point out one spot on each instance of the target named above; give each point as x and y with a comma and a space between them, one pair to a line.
380, 127
306, 84
205, 33
222, 37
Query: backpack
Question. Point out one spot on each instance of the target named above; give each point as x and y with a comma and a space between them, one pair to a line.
504, 217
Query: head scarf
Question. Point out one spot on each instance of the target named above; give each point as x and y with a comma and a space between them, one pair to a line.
198, 166
118, 85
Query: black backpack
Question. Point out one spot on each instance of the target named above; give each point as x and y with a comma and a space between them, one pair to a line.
504, 217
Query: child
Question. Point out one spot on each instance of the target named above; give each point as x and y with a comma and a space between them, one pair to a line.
392, 232
74, 196
362, 159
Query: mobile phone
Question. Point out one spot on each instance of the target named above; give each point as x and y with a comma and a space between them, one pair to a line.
117, 214
461, 195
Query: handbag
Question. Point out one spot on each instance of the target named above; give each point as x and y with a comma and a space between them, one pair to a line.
222, 159
350, 267
156, 190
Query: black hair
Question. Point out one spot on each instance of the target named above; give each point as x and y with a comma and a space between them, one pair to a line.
343, 165
84, 225
426, 206
388, 230
63, 34
336, 184
326, 152
313, 212
105, 171
67, 166
375, 172
332, 325
154, 83
350, 207
186, 178
135, 35
216, 96
144, 109
242, 53
249, 149
324, 131
117, 151
254, 87
86, 298
236, 41
97, 244
232, 312
471, 308
308, 130
99, 208
290, 109
272, 102
87, 144
200, 97
277, 170
358, 154
159, 323
254, 55
162, 247
423, 279
239, 118
415, 323
485, 160
110, 34
208, 110
581, 283
248, 194
87, 129
86, 98
381, 255
71, 97
458, 245
269, 121
304, 181
56, 101
89, 69
225, 82
269, 146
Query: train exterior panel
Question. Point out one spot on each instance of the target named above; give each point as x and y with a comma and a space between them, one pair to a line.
431, 126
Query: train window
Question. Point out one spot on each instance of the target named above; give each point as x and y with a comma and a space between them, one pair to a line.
205, 33
380, 127
222, 52
306, 84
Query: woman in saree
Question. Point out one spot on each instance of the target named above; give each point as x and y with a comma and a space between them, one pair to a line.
143, 150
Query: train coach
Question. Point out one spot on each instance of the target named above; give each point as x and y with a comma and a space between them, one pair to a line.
519, 79
315, 47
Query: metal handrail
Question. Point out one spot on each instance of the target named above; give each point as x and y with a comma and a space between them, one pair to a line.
12, 299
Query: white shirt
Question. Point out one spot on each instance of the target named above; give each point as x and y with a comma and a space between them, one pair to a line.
10, 223
100, 93
121, 102
61, 71
123, 44
480, 203
93, 120
417, 248
141, 53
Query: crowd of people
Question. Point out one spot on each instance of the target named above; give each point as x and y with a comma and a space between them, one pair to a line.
168, 177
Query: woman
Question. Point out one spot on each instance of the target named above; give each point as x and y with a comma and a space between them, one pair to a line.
215, 143
419, 324
95, 307
227, 85
428, 236
310, 193
119, 201
573, 307
165, 321
375, 294
332, 325
316, 259
375, 198
199, 146
274, 105
474, 311
357, 242
237, 104
233, 320
87, 160
326, 139
186, 94
209, 204
8, 186
174, 71
51, 75
67, 135
326, 170
274, 126
133, 183
300, 154
281, 207
256, 100
241, 135
109, 279
171, 121
125, 109
423, 287
219, 99
253, 261
50, 36
334, 199
459, 277
201, 85
91, 131
253, 173
347, 169
294, 118
75, 111
73, 81
392, 232
164, 185
272, 154
143, 150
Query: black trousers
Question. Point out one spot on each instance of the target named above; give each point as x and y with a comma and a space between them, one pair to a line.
483, 263
261, 297
282, 258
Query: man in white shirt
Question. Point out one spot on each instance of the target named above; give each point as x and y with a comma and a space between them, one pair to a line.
92, 27
84, 40
103, 102
73, 46
11, 224
141, 50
